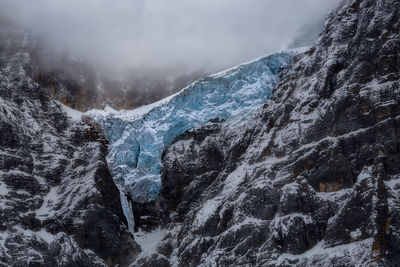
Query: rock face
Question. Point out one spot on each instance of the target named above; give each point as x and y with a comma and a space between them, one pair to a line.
58, 203
314, 178
311, 179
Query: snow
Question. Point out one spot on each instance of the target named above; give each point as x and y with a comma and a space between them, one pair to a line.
138, 137
3, 236
46, 236
74, 114
356, 234
234, 179
207, 210
148, 241
210, 207
127, 115
325, 253
3, 189
393, 184
42, 234
48, 200
335, 195
283, 222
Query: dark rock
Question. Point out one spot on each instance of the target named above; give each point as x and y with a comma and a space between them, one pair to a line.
313, 178
58, 203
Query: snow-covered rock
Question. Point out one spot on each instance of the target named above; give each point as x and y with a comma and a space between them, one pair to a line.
312, 179
58, 203
308, 178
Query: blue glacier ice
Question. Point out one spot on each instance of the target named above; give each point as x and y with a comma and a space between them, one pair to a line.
138, 137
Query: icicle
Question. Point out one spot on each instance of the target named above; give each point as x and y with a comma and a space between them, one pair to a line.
127, 210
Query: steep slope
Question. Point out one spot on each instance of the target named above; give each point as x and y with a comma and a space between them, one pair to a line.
58, 203
313, 178
309, 179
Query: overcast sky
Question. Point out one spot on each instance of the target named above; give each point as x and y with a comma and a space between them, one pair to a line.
167, 34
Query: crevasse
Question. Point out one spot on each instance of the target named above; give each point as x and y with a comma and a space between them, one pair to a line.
138, 137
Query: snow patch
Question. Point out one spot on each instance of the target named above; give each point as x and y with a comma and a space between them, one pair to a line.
148, 241
48, 201
74, 114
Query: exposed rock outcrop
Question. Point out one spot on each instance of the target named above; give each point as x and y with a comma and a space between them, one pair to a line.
58, 203
313, 179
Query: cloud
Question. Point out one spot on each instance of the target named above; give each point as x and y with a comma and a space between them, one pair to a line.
175, 35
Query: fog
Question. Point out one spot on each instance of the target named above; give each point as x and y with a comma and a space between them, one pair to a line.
172, 36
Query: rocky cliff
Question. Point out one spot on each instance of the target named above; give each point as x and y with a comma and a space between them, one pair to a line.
58, 203
313, 178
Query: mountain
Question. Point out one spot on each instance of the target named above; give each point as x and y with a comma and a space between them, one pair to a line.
58, 203
311, 179
290, 160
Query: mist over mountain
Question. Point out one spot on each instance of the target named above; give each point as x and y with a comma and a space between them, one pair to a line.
289, 159
170, 37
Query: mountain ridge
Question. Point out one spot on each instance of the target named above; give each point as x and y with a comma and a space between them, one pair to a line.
313, 180
310, 179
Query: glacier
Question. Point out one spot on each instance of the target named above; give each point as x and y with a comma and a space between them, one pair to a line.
137, 138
